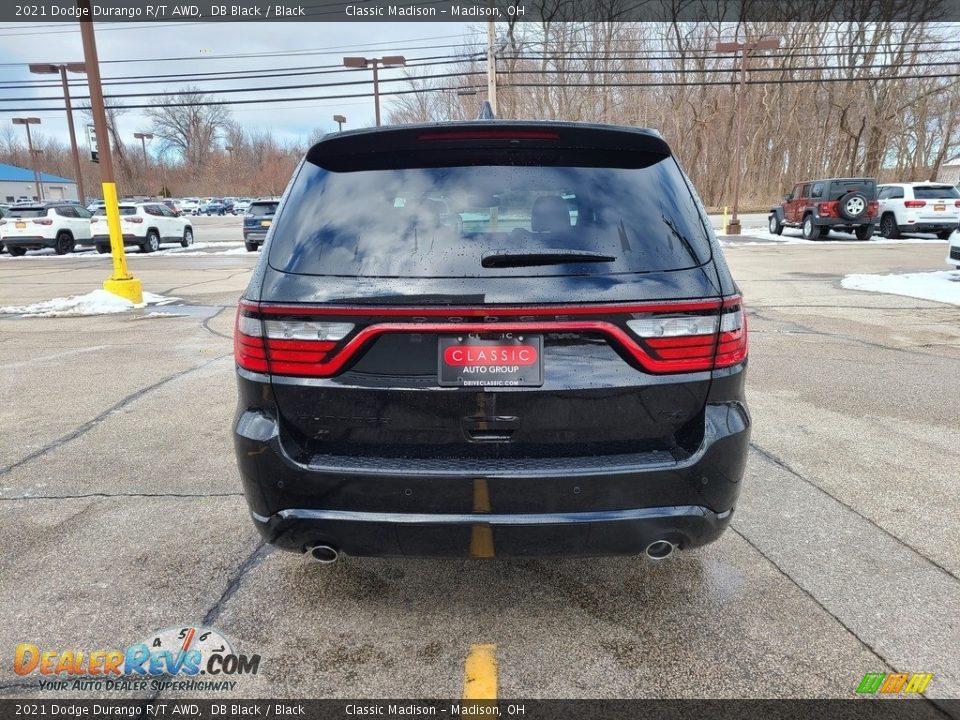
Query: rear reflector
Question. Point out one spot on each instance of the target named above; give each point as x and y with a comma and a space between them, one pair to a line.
674, 337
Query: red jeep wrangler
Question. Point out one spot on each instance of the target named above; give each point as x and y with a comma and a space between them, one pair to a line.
816, 206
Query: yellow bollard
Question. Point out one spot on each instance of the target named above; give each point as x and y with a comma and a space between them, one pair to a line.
121, 283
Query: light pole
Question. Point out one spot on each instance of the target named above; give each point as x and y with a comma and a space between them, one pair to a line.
744, 48
492, 63
143, 137
339, 120
387, 61
62, 70
27, 122
121, 282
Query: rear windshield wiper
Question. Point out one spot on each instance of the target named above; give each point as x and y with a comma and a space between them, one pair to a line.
545, 257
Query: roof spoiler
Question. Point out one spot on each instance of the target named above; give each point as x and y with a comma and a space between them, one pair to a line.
486, 111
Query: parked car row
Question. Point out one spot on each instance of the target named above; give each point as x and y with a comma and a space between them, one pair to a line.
63, 226
861, 206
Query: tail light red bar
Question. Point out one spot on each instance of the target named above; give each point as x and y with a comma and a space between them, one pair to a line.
661, 338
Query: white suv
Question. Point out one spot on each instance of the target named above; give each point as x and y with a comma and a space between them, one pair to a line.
45, 225
918, 208
144, 224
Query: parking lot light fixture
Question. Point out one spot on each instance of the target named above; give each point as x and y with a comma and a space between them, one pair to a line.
27, 122
143, 137
744, 49
375, 63
339, 120
120, 282
62, 69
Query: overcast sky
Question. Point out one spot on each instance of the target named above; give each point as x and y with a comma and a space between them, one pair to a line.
142, 43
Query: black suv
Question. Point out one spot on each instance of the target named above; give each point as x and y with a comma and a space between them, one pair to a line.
817, 206
256, 222
491, 338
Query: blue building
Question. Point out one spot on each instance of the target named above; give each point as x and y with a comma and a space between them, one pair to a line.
17, 185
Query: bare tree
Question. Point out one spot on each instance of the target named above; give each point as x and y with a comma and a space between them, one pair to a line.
188, 126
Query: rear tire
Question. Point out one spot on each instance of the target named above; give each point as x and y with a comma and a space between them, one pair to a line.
152, 243
945, 234
776, 227
251, 246
17, 251
103, 249
64, 244
888, 227
187, 238
864, 232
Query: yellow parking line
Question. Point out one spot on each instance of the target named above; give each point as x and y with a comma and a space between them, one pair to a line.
481, 536
480, 673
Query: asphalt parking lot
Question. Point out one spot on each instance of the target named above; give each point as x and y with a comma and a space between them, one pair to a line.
120, 510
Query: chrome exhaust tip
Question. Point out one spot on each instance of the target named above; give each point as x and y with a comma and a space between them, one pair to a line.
323, 554
660, 549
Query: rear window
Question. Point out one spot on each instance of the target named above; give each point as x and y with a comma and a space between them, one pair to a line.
839, 188
449, 221
128, 210
28, 212
935, 192
262, 208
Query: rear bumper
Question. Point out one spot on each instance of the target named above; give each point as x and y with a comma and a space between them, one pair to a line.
841, 222
28, 241
254, 236
931, 226
613, 532
128, 239
577, 506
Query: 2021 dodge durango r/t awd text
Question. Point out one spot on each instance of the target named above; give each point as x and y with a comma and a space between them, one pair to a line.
491, 339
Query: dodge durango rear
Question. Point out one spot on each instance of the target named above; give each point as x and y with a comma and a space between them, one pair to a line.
491, 339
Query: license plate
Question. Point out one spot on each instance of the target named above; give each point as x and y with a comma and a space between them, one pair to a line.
265, 223
506, 361
20, 225
940, 208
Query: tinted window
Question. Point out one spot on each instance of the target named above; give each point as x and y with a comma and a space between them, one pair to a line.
152, 210
938, 192
124, 210
262, 208
441, 221
817, 190
28, 212
842, 187
67, 212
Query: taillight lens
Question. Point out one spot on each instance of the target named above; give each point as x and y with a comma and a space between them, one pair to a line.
956, 203
690, 343
285, 346
915, 203
313, 341
132, 218
827, 209
873, 208
43, 221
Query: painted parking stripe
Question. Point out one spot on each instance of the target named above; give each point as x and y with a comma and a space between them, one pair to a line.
480, 673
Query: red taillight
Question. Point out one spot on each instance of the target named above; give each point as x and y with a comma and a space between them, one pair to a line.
132, 218
691, 342
285, 346
956, 203
43, 221
915, 203
670, 337
873, 207
827, 209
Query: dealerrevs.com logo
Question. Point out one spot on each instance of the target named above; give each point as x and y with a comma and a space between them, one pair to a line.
182, 658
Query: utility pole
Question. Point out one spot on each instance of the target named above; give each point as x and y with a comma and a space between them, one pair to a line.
492, 64
362, 62
744, 48
121, 282
27, 122
62, 69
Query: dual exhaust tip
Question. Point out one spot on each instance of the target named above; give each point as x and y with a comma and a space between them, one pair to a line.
327, 554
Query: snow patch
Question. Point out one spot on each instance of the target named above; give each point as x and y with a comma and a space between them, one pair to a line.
942, 286
98, 302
